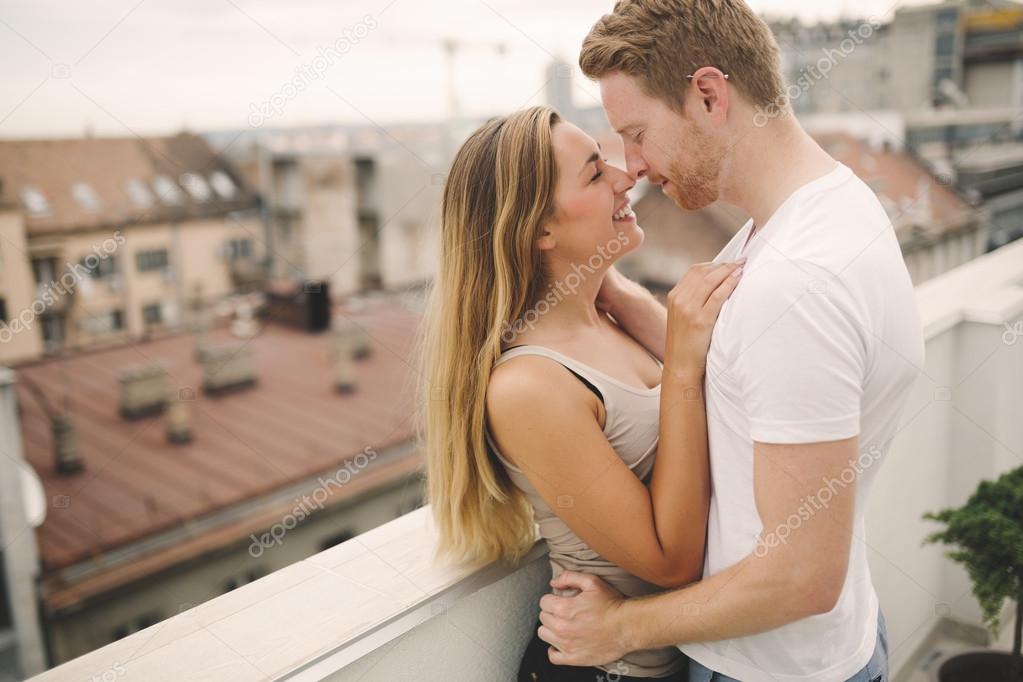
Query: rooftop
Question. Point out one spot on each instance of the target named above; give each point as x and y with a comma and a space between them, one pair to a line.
85, 183
911, 195
248, 444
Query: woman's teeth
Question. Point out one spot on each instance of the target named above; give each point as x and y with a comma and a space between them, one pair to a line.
623, 213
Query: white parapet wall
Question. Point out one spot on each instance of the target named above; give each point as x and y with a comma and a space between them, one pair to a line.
962, 424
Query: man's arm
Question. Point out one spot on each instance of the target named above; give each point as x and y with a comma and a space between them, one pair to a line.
797, 569
636, 310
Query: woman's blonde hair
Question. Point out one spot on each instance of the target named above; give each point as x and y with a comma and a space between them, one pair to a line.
499, 191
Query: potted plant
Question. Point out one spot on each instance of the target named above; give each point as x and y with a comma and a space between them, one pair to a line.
987, 539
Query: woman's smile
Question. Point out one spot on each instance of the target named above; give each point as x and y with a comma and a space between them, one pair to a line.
624, 213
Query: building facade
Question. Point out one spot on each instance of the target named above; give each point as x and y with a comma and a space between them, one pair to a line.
111, 239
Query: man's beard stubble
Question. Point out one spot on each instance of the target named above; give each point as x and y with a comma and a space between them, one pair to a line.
695, 186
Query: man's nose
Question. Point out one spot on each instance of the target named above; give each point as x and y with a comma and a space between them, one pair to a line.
635, 164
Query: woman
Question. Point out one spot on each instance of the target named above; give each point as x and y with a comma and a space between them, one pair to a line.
538, 406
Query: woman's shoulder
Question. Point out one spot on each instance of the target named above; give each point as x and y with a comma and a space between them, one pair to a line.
522, 383
523, 377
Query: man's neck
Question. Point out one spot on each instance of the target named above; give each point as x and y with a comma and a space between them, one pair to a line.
768, 164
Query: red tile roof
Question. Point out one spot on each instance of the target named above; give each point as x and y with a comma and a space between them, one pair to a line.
898, 180
290, 427
107, 164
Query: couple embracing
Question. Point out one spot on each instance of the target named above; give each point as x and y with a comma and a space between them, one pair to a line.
699, 471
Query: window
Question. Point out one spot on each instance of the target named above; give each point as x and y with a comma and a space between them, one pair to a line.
35, 201
167, 190
100, 268
947, 17
103, 323
139, 193
44, 269
223, 185
942, 73
53, 331
152, 314
196, 186
239, 249
945, 44
86, 196
151, 259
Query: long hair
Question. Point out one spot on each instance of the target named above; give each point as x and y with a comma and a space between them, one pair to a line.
498, 192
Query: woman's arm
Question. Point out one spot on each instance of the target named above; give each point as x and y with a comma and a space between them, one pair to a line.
552, 433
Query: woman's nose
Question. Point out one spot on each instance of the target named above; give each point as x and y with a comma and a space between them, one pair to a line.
621, 180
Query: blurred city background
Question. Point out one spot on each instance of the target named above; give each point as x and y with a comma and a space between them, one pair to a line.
218, 221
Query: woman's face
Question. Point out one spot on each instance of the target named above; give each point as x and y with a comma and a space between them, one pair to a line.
592, 223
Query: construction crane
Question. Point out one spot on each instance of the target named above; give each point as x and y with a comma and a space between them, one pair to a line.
452, 48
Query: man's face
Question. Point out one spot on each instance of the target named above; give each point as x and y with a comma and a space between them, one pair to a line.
678, 152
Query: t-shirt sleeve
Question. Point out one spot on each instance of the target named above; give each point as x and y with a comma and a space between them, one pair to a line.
801, 355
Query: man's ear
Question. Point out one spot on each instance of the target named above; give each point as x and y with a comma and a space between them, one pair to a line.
711, 87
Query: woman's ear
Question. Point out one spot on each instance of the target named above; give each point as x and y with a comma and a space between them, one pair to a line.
546, 240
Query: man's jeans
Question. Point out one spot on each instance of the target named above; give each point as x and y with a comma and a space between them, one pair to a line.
876, 669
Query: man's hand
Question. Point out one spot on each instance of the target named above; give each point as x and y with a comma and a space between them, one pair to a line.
584, 629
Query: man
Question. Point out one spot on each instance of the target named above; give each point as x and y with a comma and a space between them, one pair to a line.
809, 366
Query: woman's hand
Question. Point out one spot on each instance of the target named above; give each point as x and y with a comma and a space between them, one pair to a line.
693, 308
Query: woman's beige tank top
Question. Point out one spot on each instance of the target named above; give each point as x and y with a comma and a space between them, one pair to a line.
631, 427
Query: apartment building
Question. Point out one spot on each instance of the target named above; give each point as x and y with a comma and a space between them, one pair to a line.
108, 239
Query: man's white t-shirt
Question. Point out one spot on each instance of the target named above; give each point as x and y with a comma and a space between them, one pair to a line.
820, 341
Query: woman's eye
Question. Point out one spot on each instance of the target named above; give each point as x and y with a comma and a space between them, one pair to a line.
599, 172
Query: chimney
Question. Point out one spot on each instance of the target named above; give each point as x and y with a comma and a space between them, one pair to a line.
227, 367
299, 304
244, 325
143, 390
355, 335
924, 207
344, 367
179, 417
200, 319
65, 448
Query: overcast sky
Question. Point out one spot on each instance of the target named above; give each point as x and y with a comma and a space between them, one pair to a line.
152, 67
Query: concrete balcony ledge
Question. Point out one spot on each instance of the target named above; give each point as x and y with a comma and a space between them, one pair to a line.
986, 290
376, 602
378, 608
